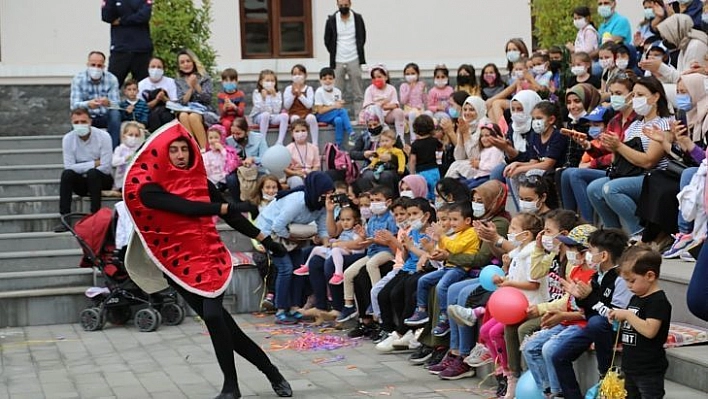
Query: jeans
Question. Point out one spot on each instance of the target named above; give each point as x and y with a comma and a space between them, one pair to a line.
431, 177
597, 330
353, 69
498, 173
538, 353
91, 184
462, 337
376, 289
287, 293
616, 201
574, 185
685, 226
644, 386
321, 271
111, 122
697, 293
443, 278
340, 119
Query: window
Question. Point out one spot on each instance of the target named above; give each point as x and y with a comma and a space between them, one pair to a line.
276, 28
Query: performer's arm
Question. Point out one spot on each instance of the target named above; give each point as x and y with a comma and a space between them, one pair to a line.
154, 196
234, 218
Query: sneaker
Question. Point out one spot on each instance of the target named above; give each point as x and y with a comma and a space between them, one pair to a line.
348, 313
361, 330
387, 344
285, 318
268, 302
462, 315
437, 356
442, 329
443, 364
419, 318
404, 341
337, 279
303, 270
687, 257
501, 385
479, 356
457, 370
414, 343
423, 353
380, 337
510, 387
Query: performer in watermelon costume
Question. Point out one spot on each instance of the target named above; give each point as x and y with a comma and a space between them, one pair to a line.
172, 205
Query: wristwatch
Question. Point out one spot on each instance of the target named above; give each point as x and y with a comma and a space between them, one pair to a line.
499, 242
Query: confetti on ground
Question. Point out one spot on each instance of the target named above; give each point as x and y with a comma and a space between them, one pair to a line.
389, 390
321, 360
310, 341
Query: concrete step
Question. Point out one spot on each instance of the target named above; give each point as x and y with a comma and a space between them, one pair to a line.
42, 306
31, 142
42, 279
46, 204
31, 172
28, 223
675, 276
36, 241
30, 156
25, 261
678, 391
688, 366
29, 188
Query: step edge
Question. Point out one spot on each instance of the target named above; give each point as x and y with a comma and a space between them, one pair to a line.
49, 273
30, 151
42, 292
40, 254
31, 167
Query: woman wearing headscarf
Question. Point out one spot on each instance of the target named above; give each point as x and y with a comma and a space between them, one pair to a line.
365, 148
467, 147
413, 186
302, 205
678, 31
516, 144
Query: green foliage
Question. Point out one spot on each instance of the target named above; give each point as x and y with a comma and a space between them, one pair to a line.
553, 20
178, 24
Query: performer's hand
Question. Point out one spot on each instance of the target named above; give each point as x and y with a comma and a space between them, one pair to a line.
276, 248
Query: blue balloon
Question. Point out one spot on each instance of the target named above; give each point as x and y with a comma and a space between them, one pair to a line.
486, 277
526, 387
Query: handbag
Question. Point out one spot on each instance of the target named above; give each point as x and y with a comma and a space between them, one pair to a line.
675, 167
299, 235
248, 181
621, 167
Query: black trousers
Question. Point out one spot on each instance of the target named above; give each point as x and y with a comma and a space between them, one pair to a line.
362, 287
91, 185
120, 64
227, 337
397, 301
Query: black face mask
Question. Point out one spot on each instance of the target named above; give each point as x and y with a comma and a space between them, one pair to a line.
555, 66
344, 10
242, 140
376, 131
464, 80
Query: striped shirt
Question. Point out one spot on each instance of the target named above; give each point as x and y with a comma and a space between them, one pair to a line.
635, 130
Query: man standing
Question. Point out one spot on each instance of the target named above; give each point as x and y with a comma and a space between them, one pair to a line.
131, 45
345, 36
96, 90
87, 155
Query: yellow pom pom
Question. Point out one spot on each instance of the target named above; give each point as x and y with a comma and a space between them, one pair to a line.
612, 386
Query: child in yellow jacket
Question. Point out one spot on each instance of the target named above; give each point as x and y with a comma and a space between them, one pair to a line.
463, 241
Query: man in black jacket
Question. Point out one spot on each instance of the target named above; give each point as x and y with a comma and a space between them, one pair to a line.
345, 36
131, 45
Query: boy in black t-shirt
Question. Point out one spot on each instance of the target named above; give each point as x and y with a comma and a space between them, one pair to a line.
645, 325
423, 159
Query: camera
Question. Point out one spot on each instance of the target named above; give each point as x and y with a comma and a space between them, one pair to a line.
340, 199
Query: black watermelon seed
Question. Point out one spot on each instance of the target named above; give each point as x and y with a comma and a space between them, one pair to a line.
143, 166
148, 178
175, 262
185, 271
154, 166
135, 180
138, 213
177, 249
146, 228
165, 239
158, 230
131, 196
219, 272
156, 242
199, 278
149, 217
186, 258
165, 253
154, 152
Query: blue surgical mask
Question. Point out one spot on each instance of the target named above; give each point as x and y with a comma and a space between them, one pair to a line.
417, 224
618, 102
453, 112
81, 130
649, 13
594, 131
229, 87
683, 102
604, 11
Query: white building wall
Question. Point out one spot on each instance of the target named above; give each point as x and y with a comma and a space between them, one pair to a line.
44, 41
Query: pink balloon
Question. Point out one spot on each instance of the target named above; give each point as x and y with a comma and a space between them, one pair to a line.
508, 305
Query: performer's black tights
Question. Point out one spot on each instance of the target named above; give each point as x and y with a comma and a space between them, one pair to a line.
226, 337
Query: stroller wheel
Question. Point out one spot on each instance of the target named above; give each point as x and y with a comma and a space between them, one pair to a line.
172, 314
118, 316
147, 320
92, 319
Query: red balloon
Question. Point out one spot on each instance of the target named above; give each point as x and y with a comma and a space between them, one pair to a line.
508, 305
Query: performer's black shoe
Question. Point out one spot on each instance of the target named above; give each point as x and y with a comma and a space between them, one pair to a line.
282, 388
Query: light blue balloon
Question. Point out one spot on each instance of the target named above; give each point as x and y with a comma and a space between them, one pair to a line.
486, 277
276, 159
526, 387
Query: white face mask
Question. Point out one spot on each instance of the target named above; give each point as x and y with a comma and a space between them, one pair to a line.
417, 224
538, 126
589, 261
132, 141
549, 243
267, 197
440, 83
514, 239
298, 78
517, 74
365, 212
539, 70
577, 70
513, 55
403, 225
155, 73
622, 64
519, 117
450, 232
81, 130
574, 258
528, 206
95, 73
328, 87
300, 136
269, 85
607, 63
641, 106
478, 209
580, 23
378, 208
411, 78
407, 194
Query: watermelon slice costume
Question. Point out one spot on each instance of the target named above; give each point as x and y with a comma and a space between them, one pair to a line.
187, 249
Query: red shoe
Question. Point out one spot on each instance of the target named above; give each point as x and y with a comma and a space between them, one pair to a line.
337, 279
303, 270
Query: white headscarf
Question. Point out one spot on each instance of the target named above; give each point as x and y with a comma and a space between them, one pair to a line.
528, 100
472, 148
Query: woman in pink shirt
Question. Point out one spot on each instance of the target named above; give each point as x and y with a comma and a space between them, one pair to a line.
413, 95
305, 155
383, 95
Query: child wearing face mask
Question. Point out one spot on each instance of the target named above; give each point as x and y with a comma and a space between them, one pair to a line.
518, 83
329, 106
299, 100
413, 93
581, 65
383, 95
523, 230
607, 54
491, 83
586, 39
439, 94
231, 100
220, 160
305, 155
131, 137
268, 104
561, 316
266, 190
386, 149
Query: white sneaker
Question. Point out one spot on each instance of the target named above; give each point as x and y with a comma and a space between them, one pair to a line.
403, 341
462, 315
687, 257
387, 344
479, 356
413, 343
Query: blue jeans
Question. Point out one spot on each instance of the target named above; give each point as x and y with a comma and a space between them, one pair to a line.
474, 183
498, 173
111, 122
597, 330
539, 351
431, 177
461, 337
697, 293
574, 185
616, 201
685, 226
287, 294
340, 119
443, 278
321, 271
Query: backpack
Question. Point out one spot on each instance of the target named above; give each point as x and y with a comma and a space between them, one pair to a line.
334, 158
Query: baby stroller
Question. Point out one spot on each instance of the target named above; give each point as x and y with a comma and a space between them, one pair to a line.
114, 303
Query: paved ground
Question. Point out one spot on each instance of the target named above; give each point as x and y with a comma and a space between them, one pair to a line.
63, 361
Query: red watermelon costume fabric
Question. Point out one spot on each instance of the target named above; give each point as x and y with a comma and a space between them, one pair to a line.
188, 250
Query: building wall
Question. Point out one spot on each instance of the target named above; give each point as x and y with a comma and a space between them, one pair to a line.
45, 41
